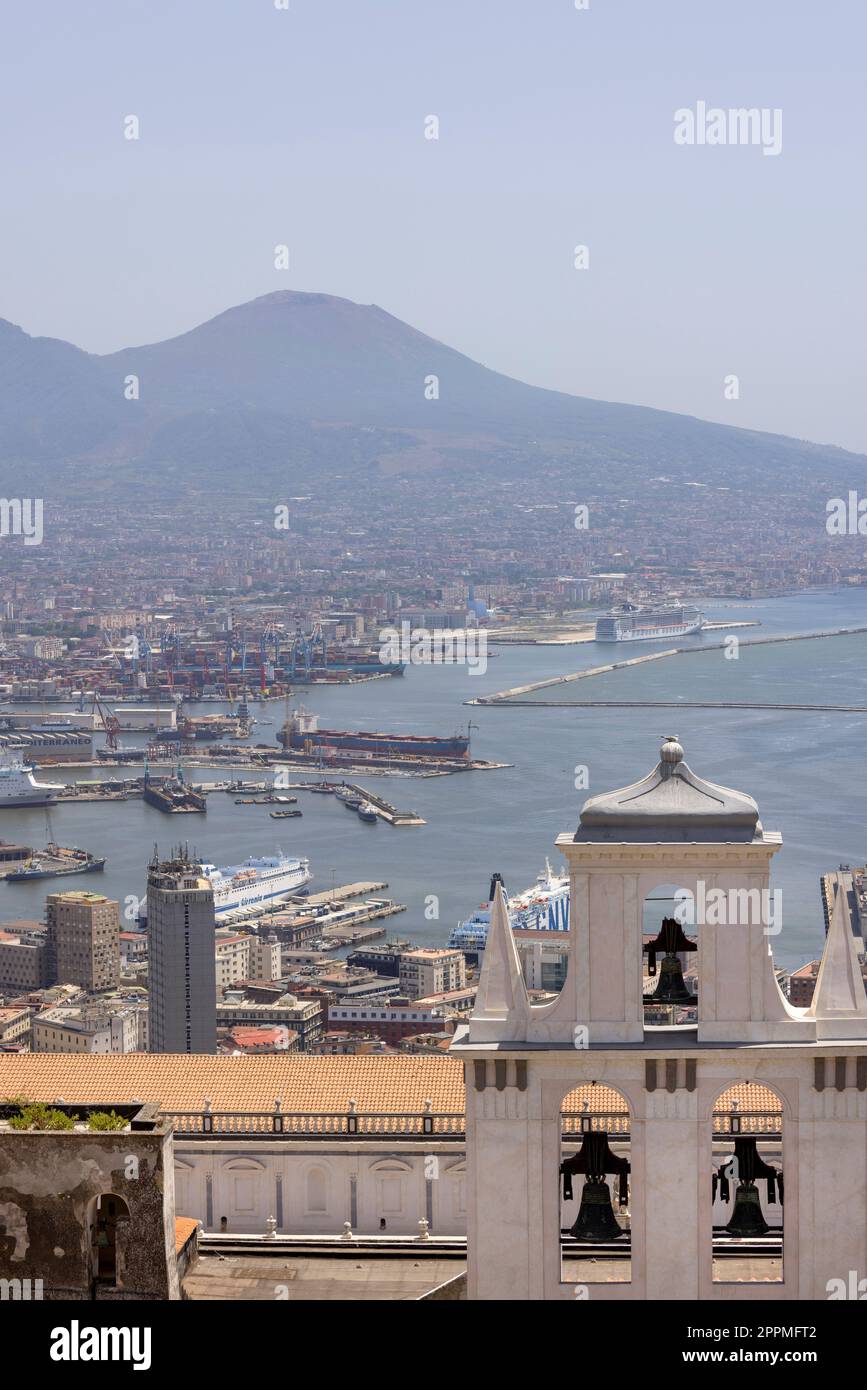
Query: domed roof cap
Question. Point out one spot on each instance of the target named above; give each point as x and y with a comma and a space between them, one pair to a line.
672, 803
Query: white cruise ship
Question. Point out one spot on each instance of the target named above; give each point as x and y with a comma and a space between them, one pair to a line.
256, 882
544, 907
18, 786
632, 623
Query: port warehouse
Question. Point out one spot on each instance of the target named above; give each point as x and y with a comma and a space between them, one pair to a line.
50, 747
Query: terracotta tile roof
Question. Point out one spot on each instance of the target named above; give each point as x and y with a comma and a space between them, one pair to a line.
184, 1228
304, 1084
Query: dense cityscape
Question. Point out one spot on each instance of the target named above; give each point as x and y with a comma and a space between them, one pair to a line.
458, 763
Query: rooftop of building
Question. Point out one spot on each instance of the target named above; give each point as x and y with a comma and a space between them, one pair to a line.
75, 895
429, 953
806, 972
303, 1084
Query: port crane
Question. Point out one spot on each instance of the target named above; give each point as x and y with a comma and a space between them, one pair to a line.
110, 722
269, 635
305, 647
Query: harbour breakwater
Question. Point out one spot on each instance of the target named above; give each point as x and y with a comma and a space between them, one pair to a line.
512, 696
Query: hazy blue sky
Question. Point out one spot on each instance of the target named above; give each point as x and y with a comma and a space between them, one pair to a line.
260, 126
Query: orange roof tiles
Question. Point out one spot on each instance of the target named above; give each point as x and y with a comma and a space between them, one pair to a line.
184, 1228
303, 1084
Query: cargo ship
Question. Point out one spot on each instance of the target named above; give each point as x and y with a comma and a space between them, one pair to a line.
301, 733
632, 623
543, 907
18, 787
172, 795
256, 881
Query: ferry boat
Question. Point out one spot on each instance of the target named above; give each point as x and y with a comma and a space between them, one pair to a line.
633, 623
543, 907
256, 882
18, 786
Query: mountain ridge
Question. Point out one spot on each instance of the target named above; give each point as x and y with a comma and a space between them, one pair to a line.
291, 381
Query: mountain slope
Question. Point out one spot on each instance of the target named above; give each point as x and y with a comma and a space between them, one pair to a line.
296, 384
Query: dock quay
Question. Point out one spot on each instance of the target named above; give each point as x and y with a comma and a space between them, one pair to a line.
81, 792
349, 890
332, 916
383, 808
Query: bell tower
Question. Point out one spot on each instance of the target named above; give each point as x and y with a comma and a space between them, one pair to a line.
598, 1038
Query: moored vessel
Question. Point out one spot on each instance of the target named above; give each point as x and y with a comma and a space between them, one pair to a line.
18, 787
256, 881
542, 907
633, 623
301, 733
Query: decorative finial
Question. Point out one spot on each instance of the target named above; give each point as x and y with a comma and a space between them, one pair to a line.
671, 751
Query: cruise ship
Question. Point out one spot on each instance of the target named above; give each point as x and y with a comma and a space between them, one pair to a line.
256, 882
543, 907
633, 623
18, 786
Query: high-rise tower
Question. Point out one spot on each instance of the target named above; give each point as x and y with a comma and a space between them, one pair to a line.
83, 940
181, 957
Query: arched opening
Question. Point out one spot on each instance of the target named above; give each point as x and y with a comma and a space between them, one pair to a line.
669, 957
747, 1185
109, 1217
595, 1186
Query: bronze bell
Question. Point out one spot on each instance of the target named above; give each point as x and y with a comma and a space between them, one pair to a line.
596, 1220
747, 1219
671, 988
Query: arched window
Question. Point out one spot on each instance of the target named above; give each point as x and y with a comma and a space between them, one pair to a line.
669, 946
747, 1185
595, 1186
109, 1216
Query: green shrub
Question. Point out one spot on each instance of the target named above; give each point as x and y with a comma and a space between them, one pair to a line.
41, 1116
106, 1119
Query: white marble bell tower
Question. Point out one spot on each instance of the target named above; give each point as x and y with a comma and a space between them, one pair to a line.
522, 1059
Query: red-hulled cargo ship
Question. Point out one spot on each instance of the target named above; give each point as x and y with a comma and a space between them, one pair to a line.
301, 734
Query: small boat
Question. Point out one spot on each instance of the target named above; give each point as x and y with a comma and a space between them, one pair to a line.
352, 803
284, 815
367, 814
285, 800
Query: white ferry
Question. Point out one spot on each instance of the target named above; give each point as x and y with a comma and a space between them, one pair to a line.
18, 786
256, 882
632, 623
544, 907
